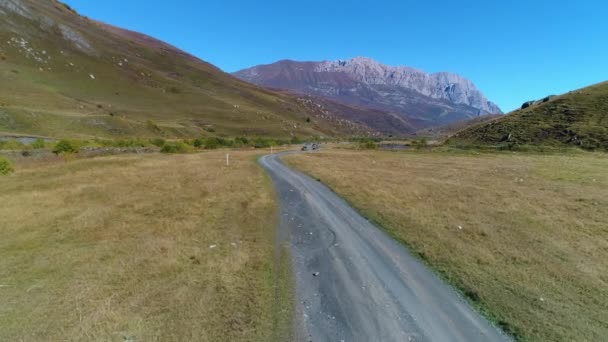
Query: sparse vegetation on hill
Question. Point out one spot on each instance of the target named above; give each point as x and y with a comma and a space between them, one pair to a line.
442, 132
66, 76
577, 119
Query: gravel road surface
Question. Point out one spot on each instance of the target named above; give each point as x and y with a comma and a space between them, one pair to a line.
355, 283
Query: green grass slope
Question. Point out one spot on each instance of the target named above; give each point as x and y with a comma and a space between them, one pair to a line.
65, 75
578, 119
450, 129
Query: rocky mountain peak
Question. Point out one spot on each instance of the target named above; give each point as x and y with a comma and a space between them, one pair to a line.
442, 85
421, 99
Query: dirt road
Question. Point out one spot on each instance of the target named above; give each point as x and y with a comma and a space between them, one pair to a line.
353, 282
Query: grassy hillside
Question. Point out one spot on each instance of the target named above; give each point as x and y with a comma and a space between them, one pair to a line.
523, 236
378, 122
141, 248
579, 118
64, 75
442, 132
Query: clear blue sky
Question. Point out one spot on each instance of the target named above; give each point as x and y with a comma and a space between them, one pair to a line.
512, 50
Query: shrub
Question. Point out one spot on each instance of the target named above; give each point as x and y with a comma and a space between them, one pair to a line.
11, 145
241, 140
263, 142
368, 144
38, 144
126, 143
472, 294
281, 142
64, 146
5, 166
170, 148
120, 143
295, 141
590, 144
212, 143
176, 147
158, 142
226, 142
198, 143
420, 143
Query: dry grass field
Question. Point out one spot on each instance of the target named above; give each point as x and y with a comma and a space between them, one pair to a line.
141, 248
523, 236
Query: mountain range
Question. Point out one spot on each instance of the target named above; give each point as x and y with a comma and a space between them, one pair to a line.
65, 75
419, 99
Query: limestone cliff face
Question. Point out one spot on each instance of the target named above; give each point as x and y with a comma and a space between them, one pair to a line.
443, 85
430, 99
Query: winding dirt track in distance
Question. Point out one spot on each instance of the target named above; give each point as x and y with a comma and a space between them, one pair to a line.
355, 283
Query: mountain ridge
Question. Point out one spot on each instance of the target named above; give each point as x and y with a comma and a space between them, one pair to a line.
429, 99
406, 76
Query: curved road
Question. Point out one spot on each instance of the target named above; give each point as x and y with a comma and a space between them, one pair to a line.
353, 282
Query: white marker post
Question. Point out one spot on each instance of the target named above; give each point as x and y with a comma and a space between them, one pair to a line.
227, 159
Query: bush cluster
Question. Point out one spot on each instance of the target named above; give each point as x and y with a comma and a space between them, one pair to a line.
38, 144
5, 166
11, 145
121, 143
158, 142
174, 147
64, 146
368, 144
420, 143
212, 143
